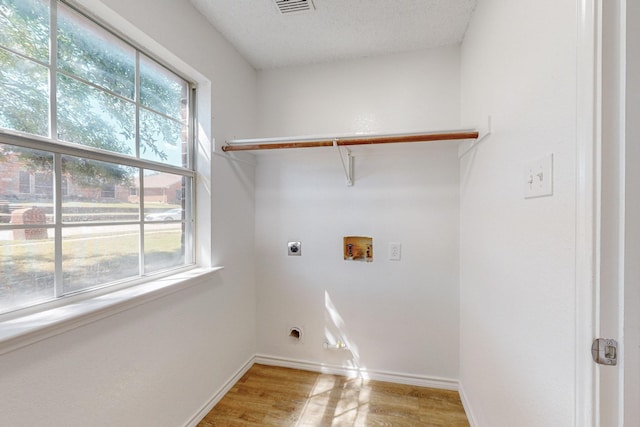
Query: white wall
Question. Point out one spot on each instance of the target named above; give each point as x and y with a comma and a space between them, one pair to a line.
394, 93
401, 316
159, 363
517, 256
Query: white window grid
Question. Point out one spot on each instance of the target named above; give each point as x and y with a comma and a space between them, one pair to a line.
59, 148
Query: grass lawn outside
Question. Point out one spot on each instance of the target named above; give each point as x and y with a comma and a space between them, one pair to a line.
89, 260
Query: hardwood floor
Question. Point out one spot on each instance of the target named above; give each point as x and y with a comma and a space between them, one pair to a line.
273, 396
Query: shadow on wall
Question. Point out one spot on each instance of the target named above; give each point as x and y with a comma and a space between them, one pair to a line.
336, 336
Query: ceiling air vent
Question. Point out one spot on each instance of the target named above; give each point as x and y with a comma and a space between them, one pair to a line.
291, 6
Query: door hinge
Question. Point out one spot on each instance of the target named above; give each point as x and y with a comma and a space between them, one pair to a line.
605, 351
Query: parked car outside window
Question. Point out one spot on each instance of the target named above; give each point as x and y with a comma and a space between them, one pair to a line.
170, 215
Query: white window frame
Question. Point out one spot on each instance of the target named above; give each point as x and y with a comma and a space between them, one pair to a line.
90, 305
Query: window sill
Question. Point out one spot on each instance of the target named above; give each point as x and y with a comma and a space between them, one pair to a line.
26, 330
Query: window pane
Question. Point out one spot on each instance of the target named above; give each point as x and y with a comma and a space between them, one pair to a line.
26, 269
92, 117
164, 241
25, 27
24, 95
162, 192
98, 191
19, 167
162, 91
163, 246
162, 139
94, 54
97, 255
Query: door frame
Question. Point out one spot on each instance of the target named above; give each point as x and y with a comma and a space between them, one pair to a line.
629, 383
612, 222
607, 195
588, 143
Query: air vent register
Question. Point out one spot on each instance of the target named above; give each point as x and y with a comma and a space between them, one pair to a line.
292, 6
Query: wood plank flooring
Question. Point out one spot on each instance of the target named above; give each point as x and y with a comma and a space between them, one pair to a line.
273, 396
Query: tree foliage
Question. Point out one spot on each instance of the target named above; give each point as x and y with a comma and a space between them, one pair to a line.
24, 88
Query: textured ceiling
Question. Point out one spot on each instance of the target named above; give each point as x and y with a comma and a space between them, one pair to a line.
336, 29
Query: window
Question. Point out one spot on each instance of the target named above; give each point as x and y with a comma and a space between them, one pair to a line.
96, 155
25, 182
108, 191
43, 184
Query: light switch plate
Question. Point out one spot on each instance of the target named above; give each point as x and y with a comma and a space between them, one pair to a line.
538, 177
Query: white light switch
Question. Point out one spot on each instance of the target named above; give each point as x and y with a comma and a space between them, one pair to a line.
395, 250
538, 177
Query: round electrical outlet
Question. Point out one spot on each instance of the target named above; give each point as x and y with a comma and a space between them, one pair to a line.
295, 248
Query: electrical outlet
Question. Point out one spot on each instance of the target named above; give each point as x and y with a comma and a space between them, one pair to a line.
395, 251
294, 248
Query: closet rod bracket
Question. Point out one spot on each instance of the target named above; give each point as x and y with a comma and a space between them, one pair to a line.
482, 135
347, 165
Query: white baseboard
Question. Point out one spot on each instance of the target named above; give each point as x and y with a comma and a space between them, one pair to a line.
193, 422
467, 406
392, 377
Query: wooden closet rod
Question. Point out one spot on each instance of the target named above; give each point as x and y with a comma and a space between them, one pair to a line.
327, 142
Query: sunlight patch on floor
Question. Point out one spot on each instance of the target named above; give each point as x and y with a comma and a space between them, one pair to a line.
343, 401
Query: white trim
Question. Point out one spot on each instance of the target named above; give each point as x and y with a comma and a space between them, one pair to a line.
625, 194
391, 377
25, 330
587, 127
467, 406
218, 395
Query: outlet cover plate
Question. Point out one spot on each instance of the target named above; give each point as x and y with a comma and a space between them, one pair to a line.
294, 248
395, 251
